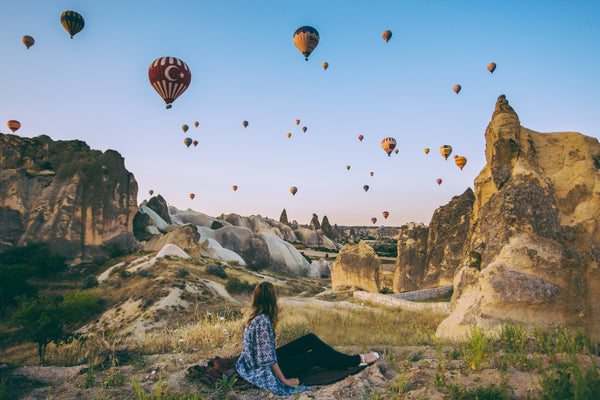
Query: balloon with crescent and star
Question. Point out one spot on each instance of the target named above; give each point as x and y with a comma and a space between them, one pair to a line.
170, 77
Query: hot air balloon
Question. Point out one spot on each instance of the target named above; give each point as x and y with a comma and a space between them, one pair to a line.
360, 137
234, 187
325, 66
150, 192
460, 162
304, 129
245, 124
439, 181
385, 214
446, 150
28, 41
373, 220
289, 135
73, 22
366, 188
306, 39
170, 77
195, 143
456, 88
192, 195
455, 156
348, 167
187, 141
371, 173
196, 124
386, 35
396, 151
297, 122
388, 145
293, 190
426, 150
491, 67
13, 125
184, 128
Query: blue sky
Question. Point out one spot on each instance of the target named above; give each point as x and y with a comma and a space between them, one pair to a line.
245, 67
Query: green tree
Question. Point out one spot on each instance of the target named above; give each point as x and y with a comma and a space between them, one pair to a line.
37, 256
13, 283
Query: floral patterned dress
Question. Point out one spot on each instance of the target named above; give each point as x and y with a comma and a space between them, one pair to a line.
258, 355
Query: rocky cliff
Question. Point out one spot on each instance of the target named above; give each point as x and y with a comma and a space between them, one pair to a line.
534, 242
65, 194
357, 266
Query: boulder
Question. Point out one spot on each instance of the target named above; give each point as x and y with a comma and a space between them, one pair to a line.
357, 266
249, 245
189, 216
285, 256
213, 249
186, 237
320, 268
159, 206
411, 264
533, 247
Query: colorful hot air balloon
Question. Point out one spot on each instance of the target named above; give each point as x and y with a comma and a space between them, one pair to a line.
28, 41
426, 150
297, 122
456, 88
396, 151
188, 141
385, 214
371, 173
360, 137
366, 188
455, 156
245, 124
388, 145
386, 35
460, 162
373, 220
289, 135
439, 181
293, 190
491, 67
446, 150
73, 22
195, 143
170, 77
304, 129
196, 124
325, 66
150, 192
184, 128
306, 39
348, 167
192, 195
13, 125
234, 187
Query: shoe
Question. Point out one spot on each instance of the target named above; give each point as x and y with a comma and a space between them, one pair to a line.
364, 363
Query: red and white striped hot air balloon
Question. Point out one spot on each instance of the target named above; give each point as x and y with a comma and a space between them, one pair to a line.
170, 77
388, 145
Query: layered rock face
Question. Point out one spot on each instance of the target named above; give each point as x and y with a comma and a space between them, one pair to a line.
357, 266
64, 194
533, 247
411, 264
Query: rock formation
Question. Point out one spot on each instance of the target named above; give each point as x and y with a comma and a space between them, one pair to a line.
357, 266
327, 229
283, 217
64, 194
533, 248
411, 264
314, 223
159, 206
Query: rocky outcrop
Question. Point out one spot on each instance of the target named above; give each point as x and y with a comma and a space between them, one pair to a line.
534, 243
64, 194
185, 237
314, 223
283, 217
159, 206
411, 264
357, 266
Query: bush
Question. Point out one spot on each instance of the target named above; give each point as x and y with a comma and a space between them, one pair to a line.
89, 282
181, 273
234, 285
216, 270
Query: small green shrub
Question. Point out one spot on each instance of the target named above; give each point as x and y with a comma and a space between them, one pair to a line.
216, 270
570, 381
234, 285
114, 379
476, 349
89, 282
501, 392
181, 273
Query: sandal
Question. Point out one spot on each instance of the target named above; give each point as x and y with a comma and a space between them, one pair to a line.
364, 363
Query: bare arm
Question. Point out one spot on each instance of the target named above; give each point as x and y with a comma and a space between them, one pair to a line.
277, 371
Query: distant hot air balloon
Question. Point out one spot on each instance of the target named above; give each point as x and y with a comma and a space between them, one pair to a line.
234, 187
73, 22
184, 128
446, 150
195, 143
304, 129
13, 125
366, 188
325, 66
460, 162
491, 67
192, 195
396, 151
456, 88
170, 77
360, 137
293, 190
150, 192
196, 124
373, 220
385, 214
306, 39
348, 167
388, 145
289, 135
245, 124
386, 35
188, 141
297, 122
455, 156
426, 150
439, 181
28, 41
371, 173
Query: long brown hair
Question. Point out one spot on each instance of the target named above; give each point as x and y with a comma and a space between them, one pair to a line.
264, 301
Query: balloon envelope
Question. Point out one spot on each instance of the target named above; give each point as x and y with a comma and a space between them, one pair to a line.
439, 181
196, 124
426, 150
386, 35
234, 187
325, 66
245, 124
192, 195
170, 77
347, 167
456, 88
150, 192
373, 220
306, 39
360, 137
185, 128
371, 173
195, 143
385, 214
460, 162
13, 125
446, 150
491, 67
293, 190
366, 188
297, 122
188, 141
388, 144
28, 41
289, 135
304, 129
72, 21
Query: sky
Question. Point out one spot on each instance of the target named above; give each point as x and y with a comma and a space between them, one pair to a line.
245, 66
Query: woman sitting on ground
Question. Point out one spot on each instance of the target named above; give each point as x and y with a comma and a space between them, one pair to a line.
278, 369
